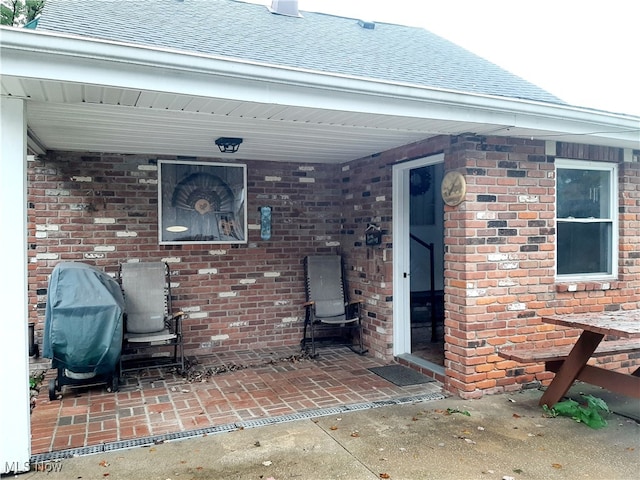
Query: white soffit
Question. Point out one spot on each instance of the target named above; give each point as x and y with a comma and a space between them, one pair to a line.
99, 96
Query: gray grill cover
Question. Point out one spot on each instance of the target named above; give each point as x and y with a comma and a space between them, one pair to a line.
83, 323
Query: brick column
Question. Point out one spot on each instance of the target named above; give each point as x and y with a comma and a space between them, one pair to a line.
499, 260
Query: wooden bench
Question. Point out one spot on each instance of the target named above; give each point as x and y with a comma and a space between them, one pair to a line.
559, 353
554, 357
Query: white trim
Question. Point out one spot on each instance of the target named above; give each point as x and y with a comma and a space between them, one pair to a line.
15, 443
47, 56
402, 251
567, 163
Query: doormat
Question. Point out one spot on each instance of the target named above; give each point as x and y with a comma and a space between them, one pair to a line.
401, 375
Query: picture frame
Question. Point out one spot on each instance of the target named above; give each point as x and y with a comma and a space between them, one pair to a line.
201, 202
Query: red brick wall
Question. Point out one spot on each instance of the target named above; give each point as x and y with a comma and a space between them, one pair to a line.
102, 209
499, 260
367, 198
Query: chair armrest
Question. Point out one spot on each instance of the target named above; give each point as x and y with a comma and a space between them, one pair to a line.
308, 304
177, 318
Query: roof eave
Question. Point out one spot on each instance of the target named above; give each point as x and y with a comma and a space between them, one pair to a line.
58, 57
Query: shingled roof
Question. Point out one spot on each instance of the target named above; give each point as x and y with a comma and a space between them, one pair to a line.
314, 41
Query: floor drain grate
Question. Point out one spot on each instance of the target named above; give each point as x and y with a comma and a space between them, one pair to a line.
140, 442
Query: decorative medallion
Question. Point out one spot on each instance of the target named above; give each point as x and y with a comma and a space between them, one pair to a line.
454, 188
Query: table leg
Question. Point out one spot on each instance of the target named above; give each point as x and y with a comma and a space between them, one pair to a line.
577, 359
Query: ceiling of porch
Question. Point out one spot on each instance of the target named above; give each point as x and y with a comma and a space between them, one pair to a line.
97, 96
67, 116
103, 96
77, 117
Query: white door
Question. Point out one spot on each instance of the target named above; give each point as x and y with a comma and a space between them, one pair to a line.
402, 251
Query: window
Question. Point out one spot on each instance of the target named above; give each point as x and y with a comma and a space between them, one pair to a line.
586, 219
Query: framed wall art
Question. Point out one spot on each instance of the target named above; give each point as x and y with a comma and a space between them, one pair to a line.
201, 202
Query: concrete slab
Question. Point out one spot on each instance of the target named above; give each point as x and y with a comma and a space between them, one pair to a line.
491, 438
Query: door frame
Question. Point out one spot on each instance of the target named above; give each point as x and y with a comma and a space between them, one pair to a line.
402, 251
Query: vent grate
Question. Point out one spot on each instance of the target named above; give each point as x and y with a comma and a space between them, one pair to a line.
230, 427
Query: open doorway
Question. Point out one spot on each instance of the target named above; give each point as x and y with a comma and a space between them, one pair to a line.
426, 233
418, 230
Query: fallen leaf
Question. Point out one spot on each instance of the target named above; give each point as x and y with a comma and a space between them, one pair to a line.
556, 465
385, 475
414, 419
103, 463
333, 427
355, 434
515, 415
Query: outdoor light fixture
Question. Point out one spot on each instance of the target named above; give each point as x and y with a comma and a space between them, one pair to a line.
228, 144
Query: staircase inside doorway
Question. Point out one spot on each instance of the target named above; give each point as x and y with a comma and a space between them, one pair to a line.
427, 326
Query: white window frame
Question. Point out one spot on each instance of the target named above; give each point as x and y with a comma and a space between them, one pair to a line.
612, 168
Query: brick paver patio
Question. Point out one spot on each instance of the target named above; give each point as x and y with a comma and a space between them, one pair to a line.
258, 384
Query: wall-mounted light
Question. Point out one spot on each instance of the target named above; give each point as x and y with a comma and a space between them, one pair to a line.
228, 144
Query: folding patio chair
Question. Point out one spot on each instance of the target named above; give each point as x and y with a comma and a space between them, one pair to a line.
328, 308
149, 320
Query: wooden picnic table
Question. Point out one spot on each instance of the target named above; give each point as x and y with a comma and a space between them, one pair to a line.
595, 327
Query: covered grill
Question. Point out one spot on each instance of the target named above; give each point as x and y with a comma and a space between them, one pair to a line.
83, 326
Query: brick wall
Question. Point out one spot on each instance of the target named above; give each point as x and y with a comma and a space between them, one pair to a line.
367, 199
102, 210
500, 260
499, 248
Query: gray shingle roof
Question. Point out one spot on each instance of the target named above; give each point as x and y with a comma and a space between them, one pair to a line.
320, 42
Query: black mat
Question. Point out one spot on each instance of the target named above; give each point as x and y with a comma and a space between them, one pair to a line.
401, 375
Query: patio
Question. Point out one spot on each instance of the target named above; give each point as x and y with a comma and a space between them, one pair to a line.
219, 393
